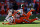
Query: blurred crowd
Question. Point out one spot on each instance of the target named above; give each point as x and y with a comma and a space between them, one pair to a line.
5, 5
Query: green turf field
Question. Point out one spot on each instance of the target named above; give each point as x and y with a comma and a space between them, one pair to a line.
22, 25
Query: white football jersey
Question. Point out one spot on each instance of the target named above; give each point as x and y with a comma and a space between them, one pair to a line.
10, 12
21, 11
